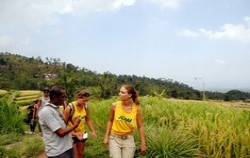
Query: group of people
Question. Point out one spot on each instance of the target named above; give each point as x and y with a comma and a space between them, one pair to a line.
64, 133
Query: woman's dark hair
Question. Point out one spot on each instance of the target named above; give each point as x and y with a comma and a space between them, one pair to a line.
131, 90
82, 93
46, 89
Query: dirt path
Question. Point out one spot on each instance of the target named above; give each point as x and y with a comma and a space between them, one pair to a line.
42, 155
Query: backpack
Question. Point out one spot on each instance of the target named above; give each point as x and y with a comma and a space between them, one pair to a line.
29, 115
72, 109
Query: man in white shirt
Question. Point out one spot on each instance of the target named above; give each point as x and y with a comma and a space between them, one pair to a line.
56, 137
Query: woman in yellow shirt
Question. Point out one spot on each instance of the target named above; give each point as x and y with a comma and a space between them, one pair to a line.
125, 115
80, 109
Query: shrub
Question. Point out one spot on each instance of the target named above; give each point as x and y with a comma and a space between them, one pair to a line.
10, 118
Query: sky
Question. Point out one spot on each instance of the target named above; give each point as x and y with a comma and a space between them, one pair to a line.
201, 43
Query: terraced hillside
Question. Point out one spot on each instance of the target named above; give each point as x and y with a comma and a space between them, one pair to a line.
22, 98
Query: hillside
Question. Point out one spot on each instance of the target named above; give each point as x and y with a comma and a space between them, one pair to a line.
21, 73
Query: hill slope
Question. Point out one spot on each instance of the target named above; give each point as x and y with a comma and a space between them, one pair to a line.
20, 72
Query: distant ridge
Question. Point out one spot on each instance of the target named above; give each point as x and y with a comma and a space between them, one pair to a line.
20, 72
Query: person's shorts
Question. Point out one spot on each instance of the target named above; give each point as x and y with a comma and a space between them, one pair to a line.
75, 140
67, 154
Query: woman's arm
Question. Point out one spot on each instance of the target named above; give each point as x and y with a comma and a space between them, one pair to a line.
64, 131
109, 124
90, 124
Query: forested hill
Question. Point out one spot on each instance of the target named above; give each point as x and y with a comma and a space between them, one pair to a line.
20, 72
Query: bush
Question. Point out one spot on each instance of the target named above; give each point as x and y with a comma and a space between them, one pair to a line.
10, 118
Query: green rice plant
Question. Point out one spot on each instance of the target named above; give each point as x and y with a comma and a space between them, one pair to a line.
220, 131
99, 111
164, 142
10, 118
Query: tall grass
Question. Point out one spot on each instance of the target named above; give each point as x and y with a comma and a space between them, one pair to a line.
174, 129
220, 131
10, 118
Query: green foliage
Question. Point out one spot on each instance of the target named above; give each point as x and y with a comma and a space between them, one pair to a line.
2, 152
218, 129
173, 128
33, 147
23, 146
164, 142
10, 118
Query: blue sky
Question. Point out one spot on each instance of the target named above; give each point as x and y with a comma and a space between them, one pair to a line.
175, 39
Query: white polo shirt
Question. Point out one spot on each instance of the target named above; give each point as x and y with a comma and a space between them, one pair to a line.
50, 120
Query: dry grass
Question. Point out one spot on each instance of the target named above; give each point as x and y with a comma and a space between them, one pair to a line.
29, 92
3, 91
215, 102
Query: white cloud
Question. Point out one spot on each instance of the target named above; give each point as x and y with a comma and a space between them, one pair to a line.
220, 61
8, 42
240, 32
188, 33
85, 6
169, 4
37, 13
59, 33
119, 3
28, 13
5, 41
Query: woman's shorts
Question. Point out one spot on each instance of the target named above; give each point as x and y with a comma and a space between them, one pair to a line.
75, 140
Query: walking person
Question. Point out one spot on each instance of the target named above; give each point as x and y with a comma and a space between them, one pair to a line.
34, 117
30, 118
55, 132
79, 108
42, 101
125, 115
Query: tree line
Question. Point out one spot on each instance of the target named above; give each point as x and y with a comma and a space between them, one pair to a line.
20, 72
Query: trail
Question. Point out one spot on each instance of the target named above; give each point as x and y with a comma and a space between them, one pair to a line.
42, 155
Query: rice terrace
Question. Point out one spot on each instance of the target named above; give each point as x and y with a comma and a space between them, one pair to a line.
173, 127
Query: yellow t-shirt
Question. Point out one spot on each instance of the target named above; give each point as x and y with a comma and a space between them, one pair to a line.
124, 122
82, 114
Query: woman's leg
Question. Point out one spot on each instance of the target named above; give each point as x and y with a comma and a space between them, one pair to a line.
114, 147
128, 148
79, 149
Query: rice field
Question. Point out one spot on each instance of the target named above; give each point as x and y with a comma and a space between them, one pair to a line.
181, 128
176, 128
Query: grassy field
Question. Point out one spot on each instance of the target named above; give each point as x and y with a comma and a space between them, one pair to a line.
173, 128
